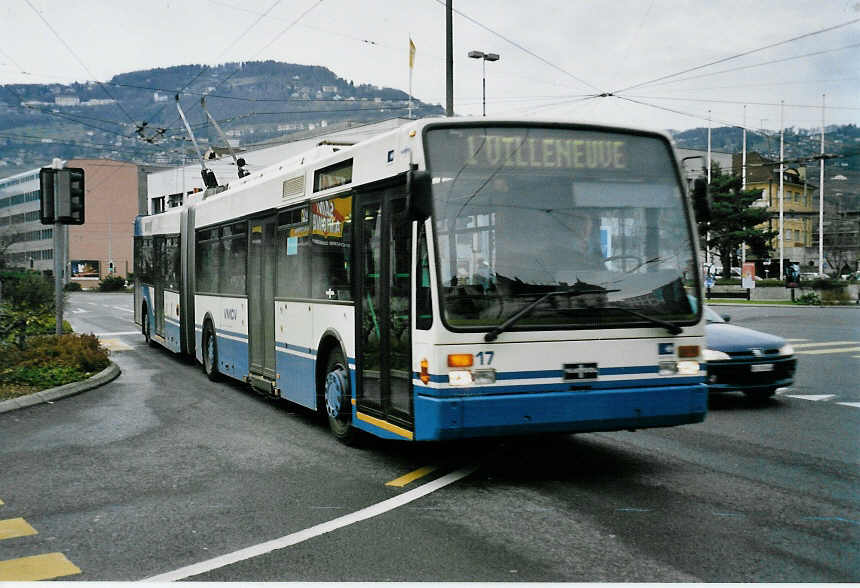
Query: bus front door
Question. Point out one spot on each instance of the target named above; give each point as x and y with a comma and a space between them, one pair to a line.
261, 298
384, 377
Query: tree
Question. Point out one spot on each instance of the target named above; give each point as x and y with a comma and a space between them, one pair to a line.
7, 239
734, 219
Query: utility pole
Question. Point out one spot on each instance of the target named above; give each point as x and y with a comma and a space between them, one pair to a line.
708, 233
449, 58
781, 178
821, 195
744, 181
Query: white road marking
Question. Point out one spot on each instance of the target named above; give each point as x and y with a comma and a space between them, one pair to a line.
813, 397
823, 344
798, 340
315, 531
123, 308
823, 351
852, 404
117, 333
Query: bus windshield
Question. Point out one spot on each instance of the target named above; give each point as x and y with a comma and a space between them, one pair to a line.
521, 212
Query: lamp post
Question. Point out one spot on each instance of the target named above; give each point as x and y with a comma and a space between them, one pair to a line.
484, 57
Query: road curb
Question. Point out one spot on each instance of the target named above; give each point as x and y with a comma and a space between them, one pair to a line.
51, 394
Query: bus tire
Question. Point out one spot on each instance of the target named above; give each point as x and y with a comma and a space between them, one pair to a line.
145, 326
210, 354
337, 397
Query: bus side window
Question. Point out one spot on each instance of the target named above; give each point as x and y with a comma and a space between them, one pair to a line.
293, 253
331, 248
423, 307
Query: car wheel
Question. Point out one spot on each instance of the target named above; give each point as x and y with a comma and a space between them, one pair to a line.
759, 395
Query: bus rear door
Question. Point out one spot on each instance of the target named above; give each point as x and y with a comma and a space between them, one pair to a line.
261, 304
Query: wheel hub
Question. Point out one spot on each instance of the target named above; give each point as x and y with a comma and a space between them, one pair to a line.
335, 392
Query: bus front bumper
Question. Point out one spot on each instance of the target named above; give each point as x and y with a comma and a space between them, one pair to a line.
558, 411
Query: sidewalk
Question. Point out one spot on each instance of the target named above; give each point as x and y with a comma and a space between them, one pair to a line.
51, 394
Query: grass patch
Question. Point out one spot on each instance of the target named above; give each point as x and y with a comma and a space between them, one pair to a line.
751, 302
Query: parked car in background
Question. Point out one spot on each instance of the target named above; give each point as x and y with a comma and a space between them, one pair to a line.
741, 359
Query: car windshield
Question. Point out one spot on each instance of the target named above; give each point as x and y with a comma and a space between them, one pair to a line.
711, 316
520, 212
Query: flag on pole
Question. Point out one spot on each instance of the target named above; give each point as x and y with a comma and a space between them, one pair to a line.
411, 53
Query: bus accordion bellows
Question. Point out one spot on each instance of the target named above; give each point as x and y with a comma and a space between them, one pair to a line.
452, 278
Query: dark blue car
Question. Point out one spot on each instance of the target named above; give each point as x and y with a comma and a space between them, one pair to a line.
752, 362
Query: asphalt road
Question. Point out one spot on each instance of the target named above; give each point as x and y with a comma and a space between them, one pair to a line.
162, 469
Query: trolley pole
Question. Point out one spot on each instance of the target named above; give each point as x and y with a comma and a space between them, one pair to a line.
449, 58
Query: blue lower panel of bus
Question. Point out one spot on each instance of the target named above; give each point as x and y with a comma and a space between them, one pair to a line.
171, 336
297, 380
232, 356
561, 411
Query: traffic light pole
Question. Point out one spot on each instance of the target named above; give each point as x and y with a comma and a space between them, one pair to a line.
59, 259
59, 254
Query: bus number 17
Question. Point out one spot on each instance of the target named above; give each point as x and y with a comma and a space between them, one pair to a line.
488, 355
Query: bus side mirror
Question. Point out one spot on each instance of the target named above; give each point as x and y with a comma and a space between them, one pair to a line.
419, 196
701, 200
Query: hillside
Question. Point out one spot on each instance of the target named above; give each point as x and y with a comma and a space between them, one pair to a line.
133, 116
799, 144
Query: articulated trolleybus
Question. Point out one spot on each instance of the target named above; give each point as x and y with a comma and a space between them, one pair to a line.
452, 278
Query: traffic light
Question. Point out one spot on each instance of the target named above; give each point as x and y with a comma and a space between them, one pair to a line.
62, 196
46, 196
71, 207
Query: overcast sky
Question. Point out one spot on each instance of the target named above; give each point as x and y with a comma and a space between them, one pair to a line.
555, 54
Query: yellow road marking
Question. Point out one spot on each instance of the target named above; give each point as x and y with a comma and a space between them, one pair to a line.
822, 344
1, 501
10, 528
114, 344
411, 477
37, 567
822, 351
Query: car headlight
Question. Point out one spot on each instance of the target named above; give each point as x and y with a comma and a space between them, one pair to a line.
714, 355
786, 349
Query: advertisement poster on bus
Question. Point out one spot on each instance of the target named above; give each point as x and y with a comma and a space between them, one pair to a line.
748, 275
329, 216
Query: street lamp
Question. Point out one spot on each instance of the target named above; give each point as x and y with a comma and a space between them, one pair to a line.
484, 57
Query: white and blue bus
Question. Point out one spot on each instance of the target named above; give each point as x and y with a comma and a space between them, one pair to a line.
453, 278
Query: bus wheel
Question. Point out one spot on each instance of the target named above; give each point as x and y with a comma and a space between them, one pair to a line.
338, 398
145, 327
210, 354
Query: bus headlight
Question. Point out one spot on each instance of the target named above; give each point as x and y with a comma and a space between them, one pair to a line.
688, 368
472, 377
714, 355
460, 378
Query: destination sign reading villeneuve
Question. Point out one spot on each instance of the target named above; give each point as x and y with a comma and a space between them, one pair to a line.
546, 153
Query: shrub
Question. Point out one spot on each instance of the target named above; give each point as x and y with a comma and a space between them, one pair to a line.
28, 289
835, 296
72, 287
808, 298
51, 360
823, 284
112, 283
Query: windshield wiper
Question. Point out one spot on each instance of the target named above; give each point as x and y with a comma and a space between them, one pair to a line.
671, 327
493, 334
